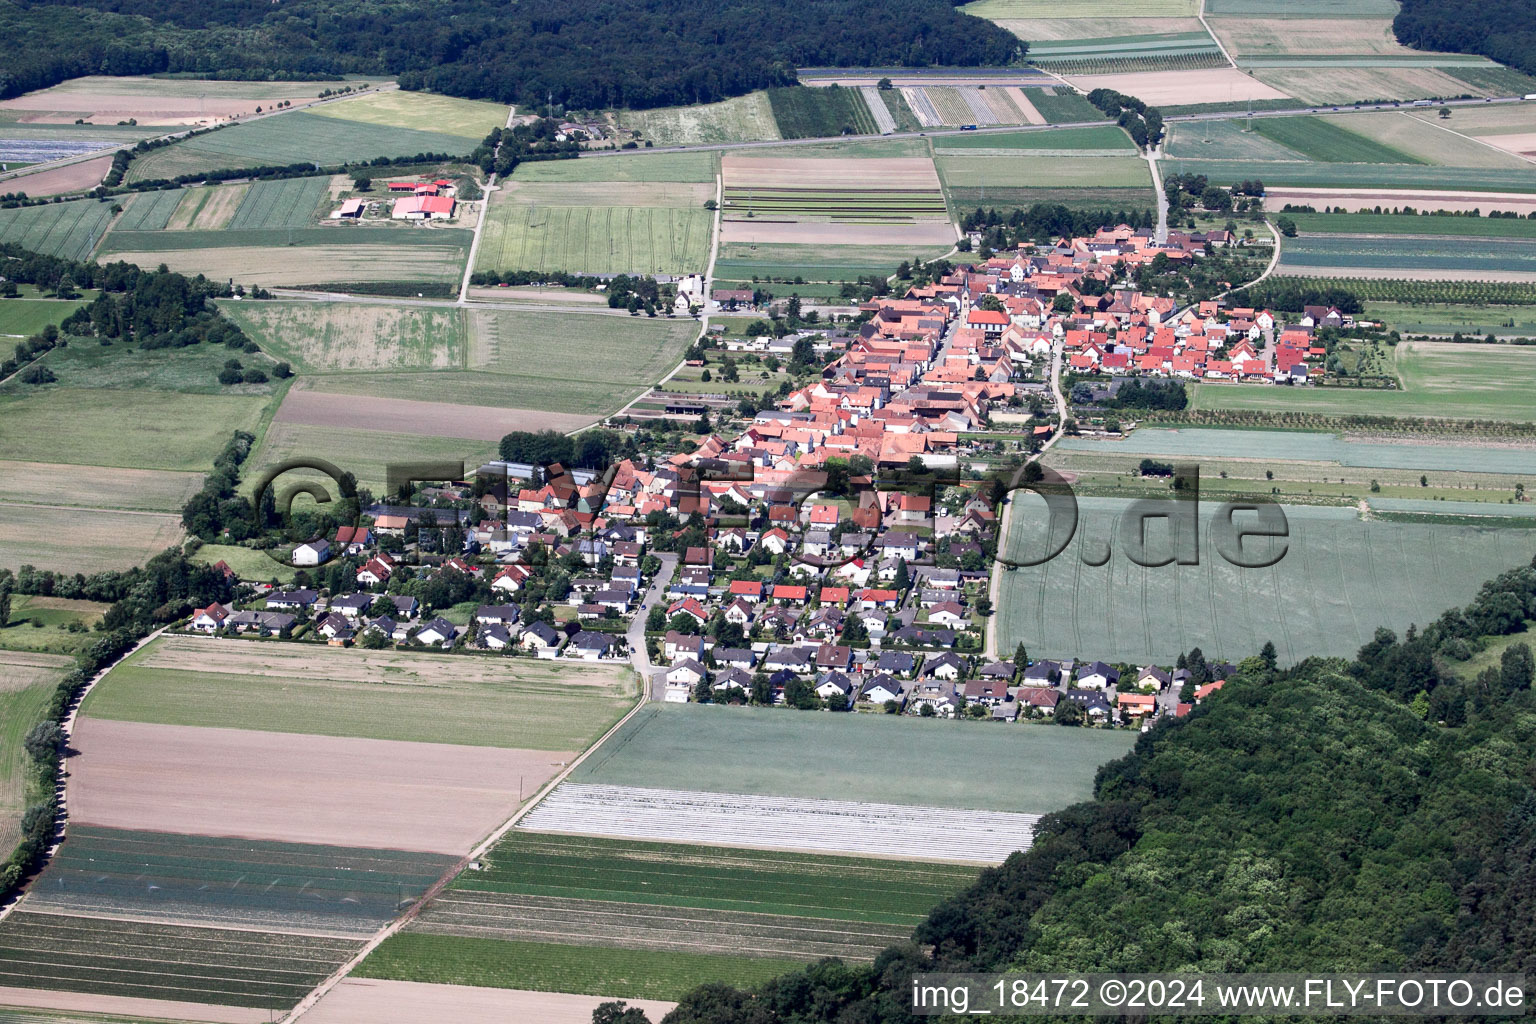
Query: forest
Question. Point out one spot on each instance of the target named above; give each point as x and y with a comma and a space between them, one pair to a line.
579, 53
1365, 815
1502, 29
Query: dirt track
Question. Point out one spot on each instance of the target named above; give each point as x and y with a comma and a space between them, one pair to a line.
431, 419
365, 1001
432, 797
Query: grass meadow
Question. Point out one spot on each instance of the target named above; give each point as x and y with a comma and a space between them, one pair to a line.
22, 318
320, 337
420, 111
27, 682
387, 695
1318, 139
1340, 578
885, 759
1414, 256
1408, 224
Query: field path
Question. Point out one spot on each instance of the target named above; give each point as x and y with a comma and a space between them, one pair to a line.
1161, 237
1200, 13
485, 212
1468, 138
995, 585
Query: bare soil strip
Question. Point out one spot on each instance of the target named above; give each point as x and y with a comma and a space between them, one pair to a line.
156, 1009
429, 797
58, 181
365, 1001
431, 419
1021, 98
1212, 85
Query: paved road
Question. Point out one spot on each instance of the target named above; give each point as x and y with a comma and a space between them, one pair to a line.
1161, 235
652, 681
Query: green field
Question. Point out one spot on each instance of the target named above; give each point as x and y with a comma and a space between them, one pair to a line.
548, 967
1365, 175
1128, 47
1439, 380
1323, 140
1409, 224
655, 167
1411, 253
1340, 579
366, 452
814, 112
149, 211
22, 318
289, 138
739, 261
136, 429
203, 965
1109, 137
1060, 106
1303, 8
388, 695
1448, 318
420, 111
1226, 140
191, 370
27, 682
68, 230
286, 203
326, 337
231, 882
988, 171
248, 563
595, 240
997, 10
881, 758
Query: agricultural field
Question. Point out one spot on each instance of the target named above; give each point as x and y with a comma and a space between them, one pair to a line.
1390, 184
1439, 379
1096, 179
970, 104
168, 962
420, 111
1130, 52
1341, 83
651, 167
1171, 88
365, 449
303, 257
1411, 224
1329, 141
1276, 33
203, 880
132, 429
547, 967
27, 682
330, 337
1059, 105
1013, 10
813, 112
387, 695
207, 209
149, 211
813, 200
22, 318
68, 230
1450, 317
30, 143
1406, 256
746, 118
1326, 596
892, 760
744, 262
1431, 141
67, 179
292, 138
1224, 140
588, 224
1059, 141
129, 490
190, 370
285, 203
83, 540
1302, 9
155, 101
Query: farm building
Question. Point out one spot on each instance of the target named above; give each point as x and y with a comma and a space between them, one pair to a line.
351, 209
423, 208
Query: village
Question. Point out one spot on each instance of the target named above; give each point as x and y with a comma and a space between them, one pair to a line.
836, 552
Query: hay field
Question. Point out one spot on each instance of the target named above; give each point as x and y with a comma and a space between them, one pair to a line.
895, 760
81, 540
1339, 85
425, 797
1258, 36
68, 230
1429, 142
385, 695
133, 429
207, 209
351, 260
325, 337
1339, 580
685, 167
420, 111
133, 490
746, 118
289, 138
312, 408
1171, 88
156, 101
22, 318
27, 681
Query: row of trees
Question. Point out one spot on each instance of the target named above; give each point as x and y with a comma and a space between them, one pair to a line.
1046, 222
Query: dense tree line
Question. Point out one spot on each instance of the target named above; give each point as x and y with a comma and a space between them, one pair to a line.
1046, 222
1138, 394
1143, 123
1304, 819
1292, 295
591, 449
586, 53
1502, 29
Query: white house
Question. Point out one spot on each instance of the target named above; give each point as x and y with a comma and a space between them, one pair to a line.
312, 553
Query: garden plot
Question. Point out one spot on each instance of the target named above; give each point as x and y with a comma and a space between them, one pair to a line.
781, 823
427, 797
200, 880
849, 201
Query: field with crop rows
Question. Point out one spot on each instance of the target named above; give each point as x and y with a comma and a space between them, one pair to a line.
153, 961
379, 695
296, 137
549, 967
1127, 47
1318, 139
971, 172
286, 203
1427, 256
1496, 293
68, 230
852, 205
1340, 82
149, 211
811, 112
1340, 579
1409, 224
886, 759
1364, 175
202, 880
